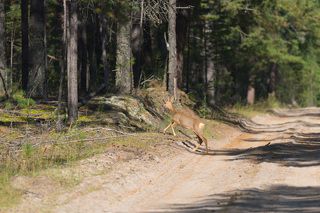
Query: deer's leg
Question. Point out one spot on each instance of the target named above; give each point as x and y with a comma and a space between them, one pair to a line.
203, 139
164, 131
206, 142
199, 143
195, 148
173, 128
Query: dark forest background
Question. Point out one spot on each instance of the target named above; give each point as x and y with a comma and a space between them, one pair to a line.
220, 52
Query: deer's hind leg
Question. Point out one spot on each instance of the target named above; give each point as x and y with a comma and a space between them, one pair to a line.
201, 140
199, 143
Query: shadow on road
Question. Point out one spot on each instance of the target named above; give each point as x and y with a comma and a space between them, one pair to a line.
278, 198
285, 154
293, 146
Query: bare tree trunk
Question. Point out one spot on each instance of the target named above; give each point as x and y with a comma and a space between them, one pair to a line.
187, 80
124, 78
59, 124
148, 47
25, 43
72, 59
172, 67
210, 66
104, 58
37, 56
250, 94
137, 41
10, 73
272, 82
84, 58
181, 29
92, 73
3, 70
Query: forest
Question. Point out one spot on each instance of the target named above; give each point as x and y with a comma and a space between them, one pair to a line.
220, 52
91, 91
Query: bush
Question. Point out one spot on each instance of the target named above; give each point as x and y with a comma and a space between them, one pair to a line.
19, 99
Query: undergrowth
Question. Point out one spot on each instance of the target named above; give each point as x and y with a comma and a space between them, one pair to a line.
18, 99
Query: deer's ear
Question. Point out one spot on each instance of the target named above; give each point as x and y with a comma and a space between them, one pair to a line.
172, 99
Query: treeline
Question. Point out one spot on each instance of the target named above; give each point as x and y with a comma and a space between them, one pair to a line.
219, 51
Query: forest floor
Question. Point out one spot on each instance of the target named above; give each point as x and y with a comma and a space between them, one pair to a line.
274, 168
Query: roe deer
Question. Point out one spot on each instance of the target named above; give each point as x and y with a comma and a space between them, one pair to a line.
187, 119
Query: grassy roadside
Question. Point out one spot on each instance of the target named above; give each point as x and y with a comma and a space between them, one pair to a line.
258, 108
58, 150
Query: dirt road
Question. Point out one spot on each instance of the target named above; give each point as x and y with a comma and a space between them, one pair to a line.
274, 168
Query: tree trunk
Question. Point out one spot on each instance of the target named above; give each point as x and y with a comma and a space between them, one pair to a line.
104, 58
250, 94
272, 82
148, 48
187, 76
92, 37
210, 66
72, 59
3, 70
37, 60
181, 29
172, 67
124, 73
84, 67
59, 123
25, 43
136, 42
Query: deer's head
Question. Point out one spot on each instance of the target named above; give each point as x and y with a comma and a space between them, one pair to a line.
168, 104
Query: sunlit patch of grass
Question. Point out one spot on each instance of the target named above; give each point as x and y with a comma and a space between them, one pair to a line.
7, 118
85, 119
38, 113
8, 195
255, 109
19, 99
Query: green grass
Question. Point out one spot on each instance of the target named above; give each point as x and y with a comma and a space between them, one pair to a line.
20, 100
255, 109
8, 195
30, 160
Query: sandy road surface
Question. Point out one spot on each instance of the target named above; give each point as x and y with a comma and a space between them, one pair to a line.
275, 168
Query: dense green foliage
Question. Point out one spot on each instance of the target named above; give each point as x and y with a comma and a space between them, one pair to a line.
252, 36
272, 45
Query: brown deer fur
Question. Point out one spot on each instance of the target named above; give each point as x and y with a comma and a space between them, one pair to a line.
186, 119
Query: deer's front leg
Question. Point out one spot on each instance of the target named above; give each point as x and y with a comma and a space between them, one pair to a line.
165, 129
173, 124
